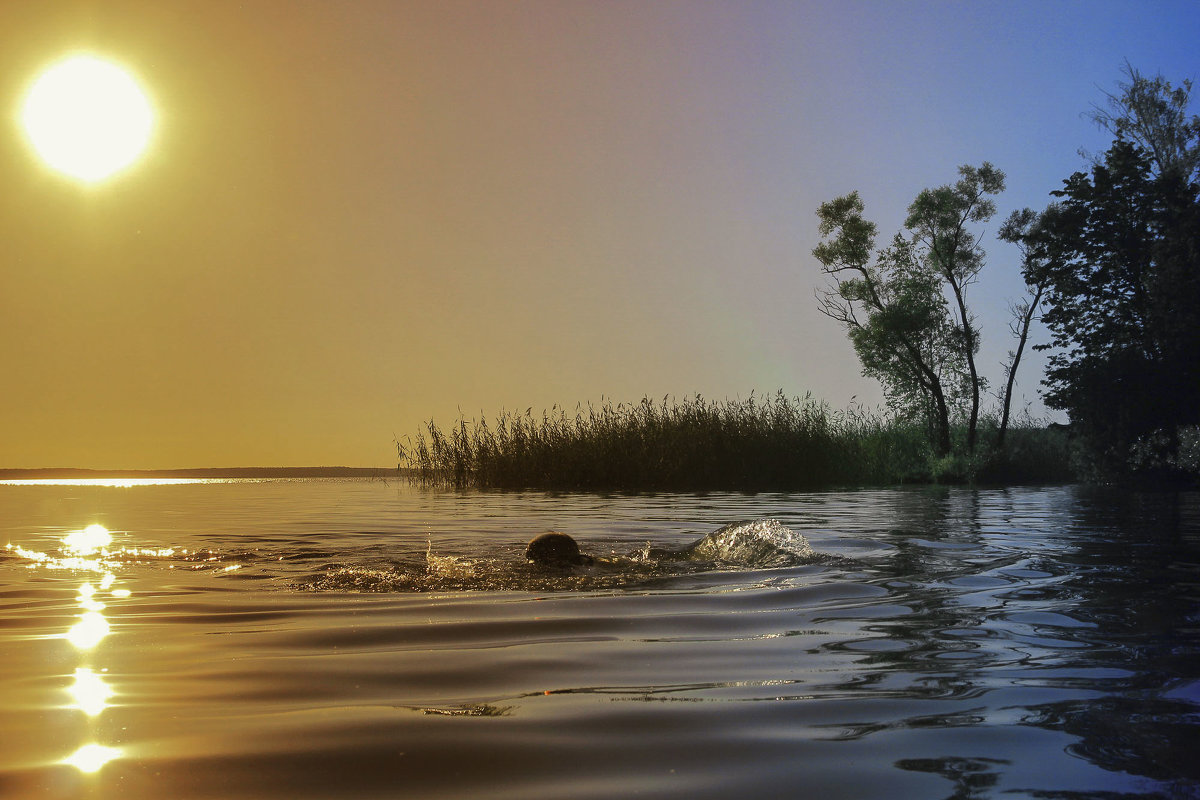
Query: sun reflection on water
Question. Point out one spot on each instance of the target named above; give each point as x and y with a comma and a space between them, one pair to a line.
91, 757
88, 632
50, 562
89, 550
89, 541
89, 691
122, 483
88, 564
87, 595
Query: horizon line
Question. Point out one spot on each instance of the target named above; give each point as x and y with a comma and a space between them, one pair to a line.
34, 473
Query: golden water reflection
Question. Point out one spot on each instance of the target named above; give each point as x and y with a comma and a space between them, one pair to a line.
122, 483
92, 626
89, 691
87, 633
91, 757
89, 550
87, 595
89, 541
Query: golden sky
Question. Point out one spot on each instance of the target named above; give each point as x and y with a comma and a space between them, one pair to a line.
355, 216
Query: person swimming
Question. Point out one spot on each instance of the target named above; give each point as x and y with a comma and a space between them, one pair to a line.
554, 549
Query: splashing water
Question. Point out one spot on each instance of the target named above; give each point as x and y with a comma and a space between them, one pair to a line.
757, 543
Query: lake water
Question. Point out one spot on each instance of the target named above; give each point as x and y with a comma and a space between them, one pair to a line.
363, 639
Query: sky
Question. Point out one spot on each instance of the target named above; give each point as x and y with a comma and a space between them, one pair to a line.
354, 217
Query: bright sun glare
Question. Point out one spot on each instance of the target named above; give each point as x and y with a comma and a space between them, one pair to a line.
87, 117
88, 541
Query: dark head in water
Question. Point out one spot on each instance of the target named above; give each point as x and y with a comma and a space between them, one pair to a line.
555, 549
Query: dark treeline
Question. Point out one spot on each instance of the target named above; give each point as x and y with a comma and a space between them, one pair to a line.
1119, 257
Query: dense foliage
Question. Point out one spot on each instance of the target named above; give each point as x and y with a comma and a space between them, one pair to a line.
904, 307
1120, 258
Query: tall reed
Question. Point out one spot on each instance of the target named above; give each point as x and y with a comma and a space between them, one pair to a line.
772, 443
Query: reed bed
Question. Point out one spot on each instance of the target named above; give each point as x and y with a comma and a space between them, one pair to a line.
758, 444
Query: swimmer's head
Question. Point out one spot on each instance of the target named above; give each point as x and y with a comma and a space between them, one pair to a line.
555, 549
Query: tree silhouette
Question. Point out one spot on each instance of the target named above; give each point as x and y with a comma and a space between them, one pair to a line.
1122, 271
895, 304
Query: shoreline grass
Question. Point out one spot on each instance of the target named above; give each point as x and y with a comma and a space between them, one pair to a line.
759, 444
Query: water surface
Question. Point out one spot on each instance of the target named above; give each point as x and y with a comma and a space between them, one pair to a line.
362, 639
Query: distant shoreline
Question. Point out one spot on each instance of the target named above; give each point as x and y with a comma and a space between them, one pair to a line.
55, 473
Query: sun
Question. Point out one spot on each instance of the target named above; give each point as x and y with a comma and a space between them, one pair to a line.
87, 117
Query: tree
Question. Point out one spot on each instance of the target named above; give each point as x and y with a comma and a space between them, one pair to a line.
1122, 274
896, 308
1120, 259
938, 220
895, 313
1022, 228
1153, 115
